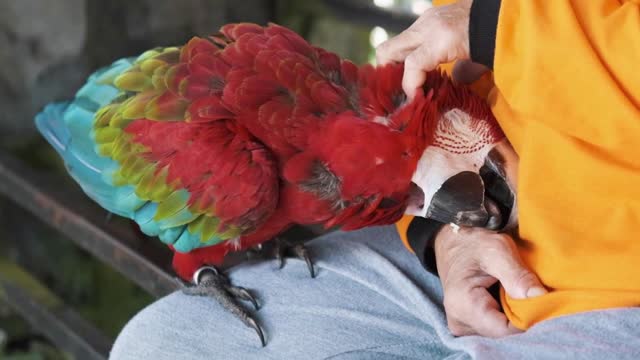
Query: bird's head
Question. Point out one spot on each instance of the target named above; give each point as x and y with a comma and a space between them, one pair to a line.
466, 174
466, 169
441, 156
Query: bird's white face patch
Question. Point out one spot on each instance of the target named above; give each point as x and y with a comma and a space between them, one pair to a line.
459, 133
461, 143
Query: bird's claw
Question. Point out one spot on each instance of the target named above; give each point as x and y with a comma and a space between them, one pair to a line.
211, 283
252, 323
298, 250
243, 294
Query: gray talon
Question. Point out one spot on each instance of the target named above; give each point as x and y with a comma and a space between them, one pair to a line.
283, 246
211, 283
254, 325
280, 250
243, 294
302, 252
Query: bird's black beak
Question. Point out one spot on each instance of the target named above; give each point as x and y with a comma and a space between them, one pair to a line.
461, 200
484, 197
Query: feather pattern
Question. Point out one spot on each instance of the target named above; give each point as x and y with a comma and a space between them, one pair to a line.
224, 142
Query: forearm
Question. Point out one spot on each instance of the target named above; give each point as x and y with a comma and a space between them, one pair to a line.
421, 236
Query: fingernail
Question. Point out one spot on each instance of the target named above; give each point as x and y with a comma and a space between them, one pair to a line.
536, 291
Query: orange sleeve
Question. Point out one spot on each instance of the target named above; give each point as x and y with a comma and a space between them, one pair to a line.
568, 97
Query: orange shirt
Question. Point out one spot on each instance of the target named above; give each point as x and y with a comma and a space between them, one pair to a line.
567, 94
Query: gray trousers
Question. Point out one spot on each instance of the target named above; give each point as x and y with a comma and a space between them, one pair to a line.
371, 299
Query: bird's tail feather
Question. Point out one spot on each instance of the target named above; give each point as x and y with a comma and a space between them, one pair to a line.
68, 127
51, 125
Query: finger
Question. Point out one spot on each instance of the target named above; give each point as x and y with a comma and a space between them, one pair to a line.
513, 329
383, 57
467, 72
416, 66
502, 261
476, 312
459, 311
459, 328
493, 323
488, 320
398, 48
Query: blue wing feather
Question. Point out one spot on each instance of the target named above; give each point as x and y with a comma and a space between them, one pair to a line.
68, 126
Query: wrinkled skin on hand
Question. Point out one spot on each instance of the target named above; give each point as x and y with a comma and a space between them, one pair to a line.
469, 262
440, 35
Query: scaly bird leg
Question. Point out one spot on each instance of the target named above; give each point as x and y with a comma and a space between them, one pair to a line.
211, 283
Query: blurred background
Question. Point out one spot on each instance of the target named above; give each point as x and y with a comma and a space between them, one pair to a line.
49, 47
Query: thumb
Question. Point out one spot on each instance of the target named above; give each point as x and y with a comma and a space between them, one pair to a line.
518, 281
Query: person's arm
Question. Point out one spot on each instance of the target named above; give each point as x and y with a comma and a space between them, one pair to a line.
419, 235
471, 261
567, 65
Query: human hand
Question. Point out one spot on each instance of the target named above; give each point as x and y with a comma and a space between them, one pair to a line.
440, 35
471, 261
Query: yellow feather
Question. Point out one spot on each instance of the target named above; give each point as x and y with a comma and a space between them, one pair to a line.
106, 134
133, 81
134, 107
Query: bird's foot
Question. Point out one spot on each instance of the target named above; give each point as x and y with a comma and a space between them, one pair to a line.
211, 283
284, 247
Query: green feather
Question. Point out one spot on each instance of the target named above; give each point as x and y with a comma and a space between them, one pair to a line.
132, 168
119, 121
104, 115
172, 204
106, 134
153, 186
231, 232
140, 171
209, 228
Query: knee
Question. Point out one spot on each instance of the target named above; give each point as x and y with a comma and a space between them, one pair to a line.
142, 333
162, 330
175, 326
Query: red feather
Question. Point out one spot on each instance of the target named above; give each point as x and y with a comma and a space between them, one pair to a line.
278, 132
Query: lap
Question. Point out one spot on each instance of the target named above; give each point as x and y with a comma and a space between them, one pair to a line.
371, 299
